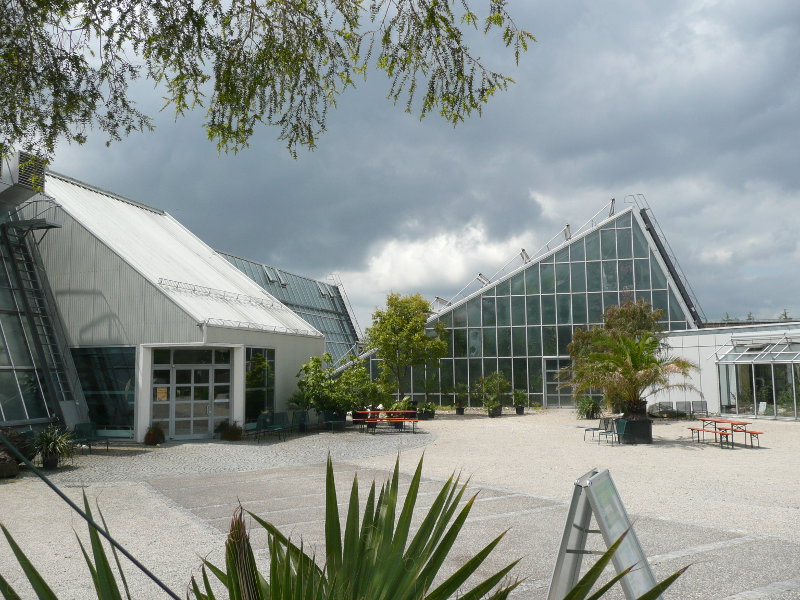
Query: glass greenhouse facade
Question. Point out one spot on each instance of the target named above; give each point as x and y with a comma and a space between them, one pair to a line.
321, 304
522, 323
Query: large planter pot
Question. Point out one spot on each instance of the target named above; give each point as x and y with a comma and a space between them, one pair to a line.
495, 411
637, 432
520, 410
459, 410
50, 462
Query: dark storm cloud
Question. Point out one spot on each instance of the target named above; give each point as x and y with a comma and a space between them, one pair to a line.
695, 104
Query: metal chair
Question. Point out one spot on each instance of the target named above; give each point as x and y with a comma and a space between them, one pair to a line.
593, 429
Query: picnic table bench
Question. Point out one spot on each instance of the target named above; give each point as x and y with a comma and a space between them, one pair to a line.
724, 436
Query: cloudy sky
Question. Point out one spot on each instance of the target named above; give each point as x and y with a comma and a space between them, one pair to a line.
693, 103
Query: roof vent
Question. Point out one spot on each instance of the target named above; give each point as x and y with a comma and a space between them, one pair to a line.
23, 174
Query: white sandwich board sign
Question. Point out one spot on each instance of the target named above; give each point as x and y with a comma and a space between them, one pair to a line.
595, 494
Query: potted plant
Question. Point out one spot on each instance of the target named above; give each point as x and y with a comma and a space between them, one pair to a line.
491, 389
53, 444
427, 411
520, 400
589, 407
461, 396
154, 436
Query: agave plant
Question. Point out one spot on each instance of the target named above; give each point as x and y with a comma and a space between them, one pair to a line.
376, 558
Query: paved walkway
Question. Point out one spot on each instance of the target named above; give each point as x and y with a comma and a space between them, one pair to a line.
731, 514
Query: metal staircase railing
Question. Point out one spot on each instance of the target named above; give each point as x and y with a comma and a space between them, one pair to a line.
51, 366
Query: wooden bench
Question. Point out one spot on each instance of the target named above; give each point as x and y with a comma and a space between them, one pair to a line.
754, 434
724, 436
372, 424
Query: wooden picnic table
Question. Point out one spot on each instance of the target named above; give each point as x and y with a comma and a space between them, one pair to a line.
720, 425
371, 418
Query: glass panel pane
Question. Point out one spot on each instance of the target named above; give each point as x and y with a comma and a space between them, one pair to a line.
503, 341
610, 299
549, 341
159, 375
503, 310
201, 392
534, 341
503, 289
183, 427
183, 410
562, 256
488, 309
490, 342
474, 341
579, 308
562, 278
532, 310
201, 375
532, 279
222, 392
161, 356
15, 338
593, 246
520, 374
10, 398
474, 312
784, 397
518, 310
624, 244
675, 310
548, 309
576, 250
161, 410
563, 305
192, 356
640, 249
518, 346
460, 316
222, 409
518, 285
594, 304
460, 342
659, 279
593, 277
183, 376
608, 243
609, 276
578, 277
222, 376
548, 279
625, 268
641, 269
222, 357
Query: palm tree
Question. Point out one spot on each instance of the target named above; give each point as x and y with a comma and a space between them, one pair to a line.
628, 368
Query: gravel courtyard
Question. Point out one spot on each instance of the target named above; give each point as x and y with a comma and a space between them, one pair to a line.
731, 514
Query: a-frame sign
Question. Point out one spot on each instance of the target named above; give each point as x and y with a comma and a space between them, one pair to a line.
595, 494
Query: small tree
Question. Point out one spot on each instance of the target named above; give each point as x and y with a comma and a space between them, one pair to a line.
317, 383
400, 340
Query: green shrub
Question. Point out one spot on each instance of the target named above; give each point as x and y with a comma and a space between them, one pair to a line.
53, 441
589, 407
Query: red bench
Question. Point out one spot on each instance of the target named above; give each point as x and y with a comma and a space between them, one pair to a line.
724, 436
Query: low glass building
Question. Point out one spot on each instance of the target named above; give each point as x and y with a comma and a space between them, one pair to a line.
522, 322
760, 375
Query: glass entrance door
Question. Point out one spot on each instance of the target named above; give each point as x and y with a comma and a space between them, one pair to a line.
189, 401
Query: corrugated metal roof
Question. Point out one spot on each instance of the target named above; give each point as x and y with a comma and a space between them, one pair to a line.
174, 260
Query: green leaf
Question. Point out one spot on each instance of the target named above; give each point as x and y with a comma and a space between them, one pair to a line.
40, 588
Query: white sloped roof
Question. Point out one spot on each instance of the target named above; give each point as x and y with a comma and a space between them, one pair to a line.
176, 261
